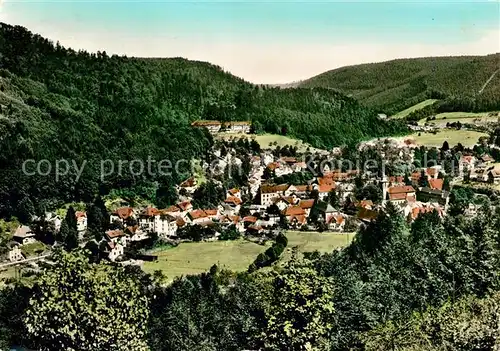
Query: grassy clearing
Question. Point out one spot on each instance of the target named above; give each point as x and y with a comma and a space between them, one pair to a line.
34, 249
419, 106
314, 241
267, 141
195, 258
462, 117
468, 138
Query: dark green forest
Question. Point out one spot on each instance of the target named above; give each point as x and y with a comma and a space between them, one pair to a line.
393, 86
57, 103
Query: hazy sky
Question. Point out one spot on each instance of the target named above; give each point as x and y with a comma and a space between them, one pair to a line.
266, 41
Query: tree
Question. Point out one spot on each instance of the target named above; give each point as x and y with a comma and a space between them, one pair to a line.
82, 306
334, 199
445, 146
300, 313
68, 233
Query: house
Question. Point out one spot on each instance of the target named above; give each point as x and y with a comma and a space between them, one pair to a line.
336, 222
306, 205
368, 204
295, 215
436, 184
233, 220
427, 194
197, 216
15, 254
284, 201
494, 175
249, 220
237, 127
115, 236
136, 233
432, 172
268, 193
234, 192
81, 221
213, 126
400, 194
146, 218
487, 159
189, 185
115, 249
366, 215
24, 235
184, 207
412, 211
122, 214
234, 202
324, 190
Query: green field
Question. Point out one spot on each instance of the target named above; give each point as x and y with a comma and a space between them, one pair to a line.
314, 241
468, 138
419, 106
195, 258
267, 140
462, 117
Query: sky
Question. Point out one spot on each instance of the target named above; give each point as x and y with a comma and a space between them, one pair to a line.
266, 41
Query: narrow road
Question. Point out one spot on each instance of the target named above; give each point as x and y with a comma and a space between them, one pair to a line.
23, 261
488, 81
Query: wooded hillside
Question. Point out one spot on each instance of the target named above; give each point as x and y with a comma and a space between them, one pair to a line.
395, 85
61, 104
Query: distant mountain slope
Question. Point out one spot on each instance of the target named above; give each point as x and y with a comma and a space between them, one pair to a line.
87, 107
395, 85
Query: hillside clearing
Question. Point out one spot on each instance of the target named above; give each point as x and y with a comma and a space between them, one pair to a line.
419, 106
467, 138
198, 257
267, 141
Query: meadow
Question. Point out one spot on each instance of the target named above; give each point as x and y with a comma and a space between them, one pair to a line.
198, 257
419, 106
467, 138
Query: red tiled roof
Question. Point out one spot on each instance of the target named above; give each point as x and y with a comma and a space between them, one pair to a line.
367, 214
180, 222
190, 182
172, 209
436, 184
233, 191
302, 188
325, 181
150, 212
211, 212
297, 218
80, 214
196, 214
185, 205
266, 188
289, 159
294, 211
124, 212
366, 203
287, 199
325, 188
401, 189
337, 218
305, 204
397, 196
202, 123
431, 171
250, 219
233, 200
115, 233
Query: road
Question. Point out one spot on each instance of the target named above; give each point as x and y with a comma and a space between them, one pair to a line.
23, 261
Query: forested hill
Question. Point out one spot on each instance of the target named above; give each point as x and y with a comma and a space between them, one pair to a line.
395, 85
57, 103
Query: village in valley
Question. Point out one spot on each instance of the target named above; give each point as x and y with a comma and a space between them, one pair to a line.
245, 191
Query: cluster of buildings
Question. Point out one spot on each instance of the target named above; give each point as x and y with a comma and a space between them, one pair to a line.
215, 127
